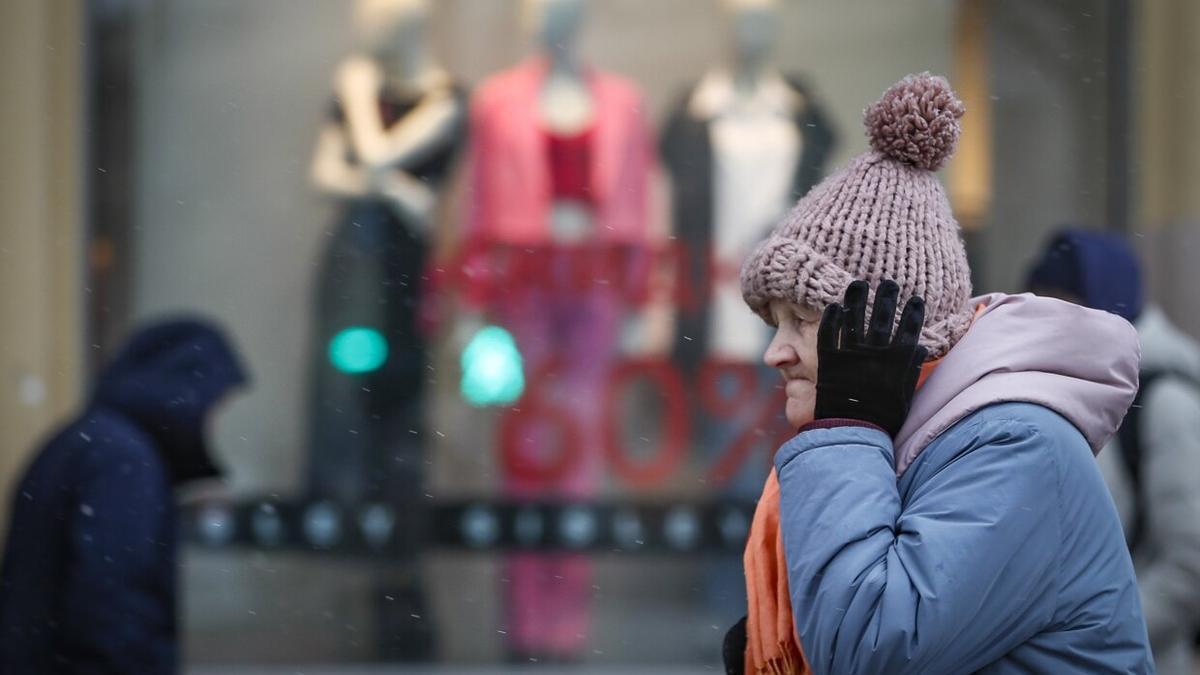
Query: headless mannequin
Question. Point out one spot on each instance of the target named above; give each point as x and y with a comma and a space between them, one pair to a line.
395, 55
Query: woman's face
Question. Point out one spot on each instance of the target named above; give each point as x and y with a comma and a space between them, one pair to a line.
793, 352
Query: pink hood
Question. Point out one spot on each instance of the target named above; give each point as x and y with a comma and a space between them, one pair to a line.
1081, 363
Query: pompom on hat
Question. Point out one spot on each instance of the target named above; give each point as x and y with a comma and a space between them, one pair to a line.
882, 216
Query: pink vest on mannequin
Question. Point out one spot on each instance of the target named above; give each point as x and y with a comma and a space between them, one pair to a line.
510, 190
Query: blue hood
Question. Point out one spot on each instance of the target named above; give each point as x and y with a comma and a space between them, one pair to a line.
1099, 268
167, 379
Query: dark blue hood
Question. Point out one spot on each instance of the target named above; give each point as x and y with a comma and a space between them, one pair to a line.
1099, 268
167, 379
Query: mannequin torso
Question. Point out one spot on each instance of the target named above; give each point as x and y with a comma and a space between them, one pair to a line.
755, 149
741, 146
395, 110
566, 104
566, 108
567, 113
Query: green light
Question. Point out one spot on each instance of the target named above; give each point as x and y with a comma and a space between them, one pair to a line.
492, 371
358, 350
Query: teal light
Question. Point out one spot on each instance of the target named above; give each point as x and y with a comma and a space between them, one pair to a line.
491, 369
358, 350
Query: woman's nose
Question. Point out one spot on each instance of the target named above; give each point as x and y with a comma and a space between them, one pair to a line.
779, 353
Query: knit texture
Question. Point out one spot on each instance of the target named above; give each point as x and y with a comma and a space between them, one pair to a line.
882, 216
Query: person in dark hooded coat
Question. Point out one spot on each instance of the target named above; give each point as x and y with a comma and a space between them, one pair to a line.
88, 581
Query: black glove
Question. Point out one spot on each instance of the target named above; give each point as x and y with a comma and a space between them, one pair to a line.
869, 376
733, 651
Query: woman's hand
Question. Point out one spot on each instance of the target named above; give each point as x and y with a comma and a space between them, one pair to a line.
863, 373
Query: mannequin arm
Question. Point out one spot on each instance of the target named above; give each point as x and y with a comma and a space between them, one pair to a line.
333, 175
330, 172
409, 197
422, 130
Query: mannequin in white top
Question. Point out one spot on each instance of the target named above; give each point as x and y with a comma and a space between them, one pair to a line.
741, 146
733, 146
755, 150
394, 56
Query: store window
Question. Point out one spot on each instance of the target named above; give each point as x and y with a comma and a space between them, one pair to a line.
507, 405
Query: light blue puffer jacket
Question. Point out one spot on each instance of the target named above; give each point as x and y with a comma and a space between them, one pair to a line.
998, 548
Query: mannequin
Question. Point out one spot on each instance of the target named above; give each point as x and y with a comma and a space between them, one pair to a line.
742, 119
561, 159
364, 157
565, 103
394, 127
741, 146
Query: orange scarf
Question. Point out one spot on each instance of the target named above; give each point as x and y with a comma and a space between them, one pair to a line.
771, 643
772, 646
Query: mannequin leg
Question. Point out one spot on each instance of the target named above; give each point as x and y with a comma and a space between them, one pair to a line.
531, 320
341, 434
589, 339
724, 572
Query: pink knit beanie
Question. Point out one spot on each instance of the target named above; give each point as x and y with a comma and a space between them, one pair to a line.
882, 216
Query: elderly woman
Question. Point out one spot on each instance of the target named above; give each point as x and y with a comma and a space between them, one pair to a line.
940, 509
